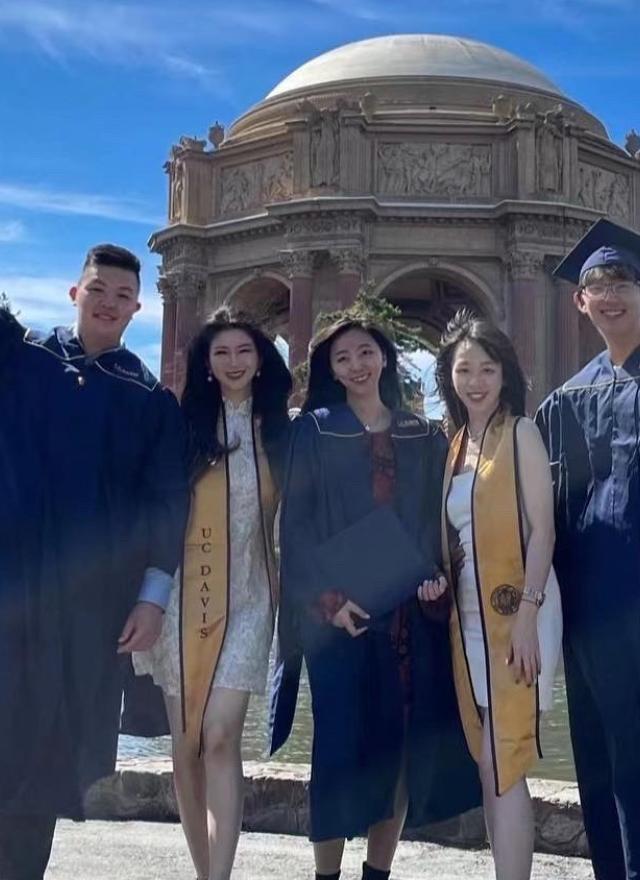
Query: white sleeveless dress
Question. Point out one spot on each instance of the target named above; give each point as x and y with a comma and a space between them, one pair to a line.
549, 615
244, 659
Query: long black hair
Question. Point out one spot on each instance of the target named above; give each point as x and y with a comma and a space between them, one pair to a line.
324, 391
202, 397
467, 327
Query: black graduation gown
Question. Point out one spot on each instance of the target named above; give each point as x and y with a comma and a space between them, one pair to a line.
94, 465
591, 427
357, 701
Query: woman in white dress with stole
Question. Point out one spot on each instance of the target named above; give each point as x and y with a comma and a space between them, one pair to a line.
213, 652
498, 539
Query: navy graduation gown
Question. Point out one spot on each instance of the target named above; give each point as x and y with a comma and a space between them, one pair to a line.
95, 461
359, 725
591, 426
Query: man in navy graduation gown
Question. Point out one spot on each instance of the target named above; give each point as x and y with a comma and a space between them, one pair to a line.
94, 498
591, 426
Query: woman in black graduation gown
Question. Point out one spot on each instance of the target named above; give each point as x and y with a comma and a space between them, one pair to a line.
388, 745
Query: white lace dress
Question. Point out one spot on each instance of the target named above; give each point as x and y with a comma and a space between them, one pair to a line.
549, 615
244, 658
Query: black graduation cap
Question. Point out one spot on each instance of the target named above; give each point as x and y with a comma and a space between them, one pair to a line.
605, 244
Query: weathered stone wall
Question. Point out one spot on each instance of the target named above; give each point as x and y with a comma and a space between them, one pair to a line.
276, 802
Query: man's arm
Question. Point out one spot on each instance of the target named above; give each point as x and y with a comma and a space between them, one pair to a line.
164, 508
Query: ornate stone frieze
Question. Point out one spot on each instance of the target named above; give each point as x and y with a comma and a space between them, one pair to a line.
348, 223
564, 231
434, 169
183, 250
604, 190
349, 261
256, 184
524, 264
298, 263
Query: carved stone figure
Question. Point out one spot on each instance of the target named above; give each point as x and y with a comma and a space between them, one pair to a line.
277, 178
177, 191
632, 144
236, 190
549, 153
368, 105
324, 152
191, 143
503, 107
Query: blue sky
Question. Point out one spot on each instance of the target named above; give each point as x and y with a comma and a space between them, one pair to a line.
95, 93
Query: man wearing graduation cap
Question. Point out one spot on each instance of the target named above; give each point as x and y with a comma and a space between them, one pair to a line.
591, 426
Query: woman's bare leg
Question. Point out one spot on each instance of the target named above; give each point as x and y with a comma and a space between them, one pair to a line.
223, 724
509, 820
189, 784
328, 855
383, 837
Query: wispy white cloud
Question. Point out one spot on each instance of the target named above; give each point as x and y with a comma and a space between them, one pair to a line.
127, 34
12, 231
43, 301
44, 199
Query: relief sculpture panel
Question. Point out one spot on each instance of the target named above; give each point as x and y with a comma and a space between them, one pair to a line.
246, 187
604, 190
435, 169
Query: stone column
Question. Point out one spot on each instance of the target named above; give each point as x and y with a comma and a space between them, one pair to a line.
298, 266
168, 292
350, 265
528, 319
567, 337
190, 287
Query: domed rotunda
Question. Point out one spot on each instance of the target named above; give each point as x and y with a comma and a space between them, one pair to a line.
440, 170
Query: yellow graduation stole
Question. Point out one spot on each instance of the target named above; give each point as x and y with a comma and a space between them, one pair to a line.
205, 580
500, 562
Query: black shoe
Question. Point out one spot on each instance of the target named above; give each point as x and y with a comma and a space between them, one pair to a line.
328, 876
369, 873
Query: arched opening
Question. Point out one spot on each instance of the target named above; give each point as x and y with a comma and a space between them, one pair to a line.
266, 299
428, 298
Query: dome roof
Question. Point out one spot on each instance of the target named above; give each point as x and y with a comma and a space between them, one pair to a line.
415, 55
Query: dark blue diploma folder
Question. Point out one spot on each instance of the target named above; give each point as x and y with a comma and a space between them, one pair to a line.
374, 562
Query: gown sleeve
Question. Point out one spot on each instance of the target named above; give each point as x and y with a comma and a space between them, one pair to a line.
299, 529
165, 497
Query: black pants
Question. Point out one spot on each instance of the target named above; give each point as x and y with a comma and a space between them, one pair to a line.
604, 711
25, 846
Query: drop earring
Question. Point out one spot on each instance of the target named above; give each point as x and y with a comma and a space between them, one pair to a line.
209, 377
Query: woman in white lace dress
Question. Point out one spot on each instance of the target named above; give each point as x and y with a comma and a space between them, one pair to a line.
213, 652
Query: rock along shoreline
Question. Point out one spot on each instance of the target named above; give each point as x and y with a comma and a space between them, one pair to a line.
276, 803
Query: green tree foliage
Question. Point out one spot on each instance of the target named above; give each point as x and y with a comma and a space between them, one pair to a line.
372, 308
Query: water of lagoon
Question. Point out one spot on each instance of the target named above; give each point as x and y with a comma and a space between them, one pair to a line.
557, 763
